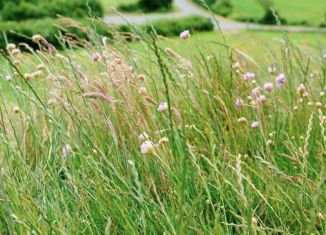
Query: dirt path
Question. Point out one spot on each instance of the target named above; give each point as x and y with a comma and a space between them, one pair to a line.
187, 8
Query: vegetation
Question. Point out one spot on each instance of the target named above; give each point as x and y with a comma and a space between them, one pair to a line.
111, 139
16, 10
290, 10
147, 6
22, 32
221, 7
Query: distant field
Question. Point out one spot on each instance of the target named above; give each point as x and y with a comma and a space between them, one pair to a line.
294, 11
108, 4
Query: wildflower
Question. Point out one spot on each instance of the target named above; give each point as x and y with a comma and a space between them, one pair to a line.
268, 86
15, 51
143, 136
37, 38
147, 148
281, 79
242, 120
255, 124
238, 103
8, 78
272, 70
96, 57
310, 103
305, 95
301, 88
261, 99
66, 150
318, 105
104, 40
185, 34
28, 76
164, 140
255, 92
40, 67
321, 94
254, 221
295, 108
236, 65
141, 77
16, 109
16, 63
248, 76
142, 90
11, 47
163, 107
37, 73
321, 216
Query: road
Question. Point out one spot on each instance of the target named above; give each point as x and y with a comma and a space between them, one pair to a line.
187, 8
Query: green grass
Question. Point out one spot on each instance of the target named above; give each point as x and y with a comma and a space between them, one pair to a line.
108, 4
294, 11
70, 139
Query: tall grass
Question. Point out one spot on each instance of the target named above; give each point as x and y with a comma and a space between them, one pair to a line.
72, 124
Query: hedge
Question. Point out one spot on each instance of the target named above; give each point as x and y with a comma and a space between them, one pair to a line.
17, 32
16, 10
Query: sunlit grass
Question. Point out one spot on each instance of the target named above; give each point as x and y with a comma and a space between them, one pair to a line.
149, 137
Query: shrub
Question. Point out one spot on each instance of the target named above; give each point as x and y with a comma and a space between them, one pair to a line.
220, 7
32, 9
223, 7
173, 27
154, 5
21, 32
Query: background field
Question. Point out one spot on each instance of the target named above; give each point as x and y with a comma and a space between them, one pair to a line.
294, 11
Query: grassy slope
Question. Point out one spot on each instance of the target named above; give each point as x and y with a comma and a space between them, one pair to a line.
295, 11
108, 4
215, 176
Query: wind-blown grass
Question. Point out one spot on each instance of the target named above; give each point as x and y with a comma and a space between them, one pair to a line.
87, 149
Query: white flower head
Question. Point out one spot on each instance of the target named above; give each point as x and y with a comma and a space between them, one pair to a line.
163, 107
66, 150
147, 148
185, 34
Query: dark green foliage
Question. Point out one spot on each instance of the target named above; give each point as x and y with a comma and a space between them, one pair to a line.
174, 27
154, 5
220, 7
21, 32
18, 10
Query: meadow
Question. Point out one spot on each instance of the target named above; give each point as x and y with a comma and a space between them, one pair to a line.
208, 135
291, 10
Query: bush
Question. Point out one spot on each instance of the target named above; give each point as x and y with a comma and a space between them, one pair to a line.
32, 9
173, 27
154, 5
220, 7
22, 32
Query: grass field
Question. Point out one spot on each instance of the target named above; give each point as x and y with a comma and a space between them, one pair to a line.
108, 4
165, 137
294, 11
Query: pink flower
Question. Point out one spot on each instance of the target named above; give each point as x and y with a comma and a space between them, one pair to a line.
301, 88
147, 148
281, 79
255, 92
185, 34
163, 107
268, 86
96, 57
248, 76
238, 103
255, 124
261, 99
